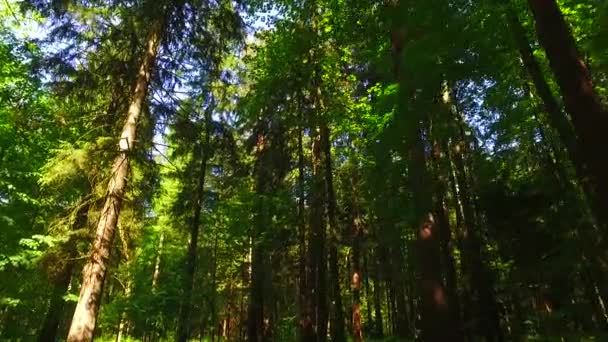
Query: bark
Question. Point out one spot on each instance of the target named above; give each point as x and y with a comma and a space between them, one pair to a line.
589, 117
213, 300
365, 272
377, 289
356, 284
85, 315
337, 323
435, 310
62, 281
435, 306
389, 307
183, 328
270, 170
394, 262
401, 326
306, 331
447, 257
123, 323
480, 280
55, 311
159, 254
255, 319
559, 121
316, 252
442, 214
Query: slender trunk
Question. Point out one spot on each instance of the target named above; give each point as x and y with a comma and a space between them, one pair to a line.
183, 328
558, 119
401, 326
255, 319
62, 281
389, 308
316, 255
368, 302
443, 224
55, 311
85, 315
435, 306
269, 174
2, 153
589, 117
213, 305
306, 332
159, 253
356, 282
480, 280
123, 323
337, 323
255, 313
379, 325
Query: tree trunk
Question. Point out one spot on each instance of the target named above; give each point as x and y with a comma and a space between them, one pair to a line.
378, 323
368, 307
435, 306
62, 280
159, 254
55, 310
269, 172
401, 326
439, 132
558, 119
183, 328
316, 255
306, 331
337, 322
94, 273
356, 282
589, 118
480, 280
390, 308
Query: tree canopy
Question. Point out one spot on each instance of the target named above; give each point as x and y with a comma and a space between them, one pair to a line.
313, 170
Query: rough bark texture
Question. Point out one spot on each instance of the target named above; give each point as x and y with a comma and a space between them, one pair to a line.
94, 273
589, 117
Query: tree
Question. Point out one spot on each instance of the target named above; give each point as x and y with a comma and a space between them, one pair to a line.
588, 115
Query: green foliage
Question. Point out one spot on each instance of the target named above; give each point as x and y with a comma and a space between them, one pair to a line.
378, 75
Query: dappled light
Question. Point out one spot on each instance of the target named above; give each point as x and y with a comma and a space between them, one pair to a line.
313, 170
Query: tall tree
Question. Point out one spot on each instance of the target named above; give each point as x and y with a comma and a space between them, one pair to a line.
588, 114
205, 150
94, 273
